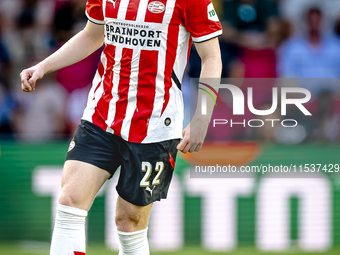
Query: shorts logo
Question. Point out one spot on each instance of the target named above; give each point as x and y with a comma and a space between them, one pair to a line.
72, 144
156, 7
167, 122
150, 190
212, 15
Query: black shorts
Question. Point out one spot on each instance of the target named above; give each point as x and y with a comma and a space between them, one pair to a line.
146, 169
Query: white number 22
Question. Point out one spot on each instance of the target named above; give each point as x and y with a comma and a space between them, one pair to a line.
147, 167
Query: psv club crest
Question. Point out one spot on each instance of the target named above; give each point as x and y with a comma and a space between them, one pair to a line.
156, 7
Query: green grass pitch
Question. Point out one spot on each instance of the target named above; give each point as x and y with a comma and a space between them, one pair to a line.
42, 249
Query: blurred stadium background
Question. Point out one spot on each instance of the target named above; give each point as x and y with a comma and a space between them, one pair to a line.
262, 39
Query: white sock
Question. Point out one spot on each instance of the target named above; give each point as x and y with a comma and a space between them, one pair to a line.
69, 231
133, 243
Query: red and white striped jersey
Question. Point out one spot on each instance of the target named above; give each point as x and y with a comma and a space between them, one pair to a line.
136, 90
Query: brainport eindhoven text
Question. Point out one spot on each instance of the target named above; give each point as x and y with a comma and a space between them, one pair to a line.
133, 36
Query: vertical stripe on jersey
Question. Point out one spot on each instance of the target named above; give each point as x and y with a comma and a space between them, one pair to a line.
143, 6
159, 98
123, 90
145, 95
132, 96
101, 73
172, 44
116, 77
122, 9
111, 9
181, 54
94, 96
154, 17
101, 111
132, 10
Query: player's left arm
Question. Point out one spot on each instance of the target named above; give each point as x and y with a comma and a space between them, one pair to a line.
195, 132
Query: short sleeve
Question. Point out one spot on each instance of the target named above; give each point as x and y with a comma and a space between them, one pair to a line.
201, 20
94, 11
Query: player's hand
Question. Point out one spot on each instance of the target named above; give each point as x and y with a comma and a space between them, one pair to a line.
195, 141
29, 78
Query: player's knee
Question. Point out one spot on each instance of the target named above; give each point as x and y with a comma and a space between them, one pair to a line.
127, 220
123, 218
68, 200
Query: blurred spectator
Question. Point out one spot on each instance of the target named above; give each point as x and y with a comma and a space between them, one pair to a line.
7, 101
76, 79
41, 114
294, 11
315, 54
248, 28
337, 27
8, 106
5, 61
253, 26
52, 22
70, 19
246, 15
76, 104
22, 19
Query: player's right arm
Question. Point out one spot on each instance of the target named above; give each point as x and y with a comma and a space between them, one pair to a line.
77, 48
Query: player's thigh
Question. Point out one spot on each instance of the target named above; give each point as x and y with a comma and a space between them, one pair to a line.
91, 151
130, 217
80, 184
